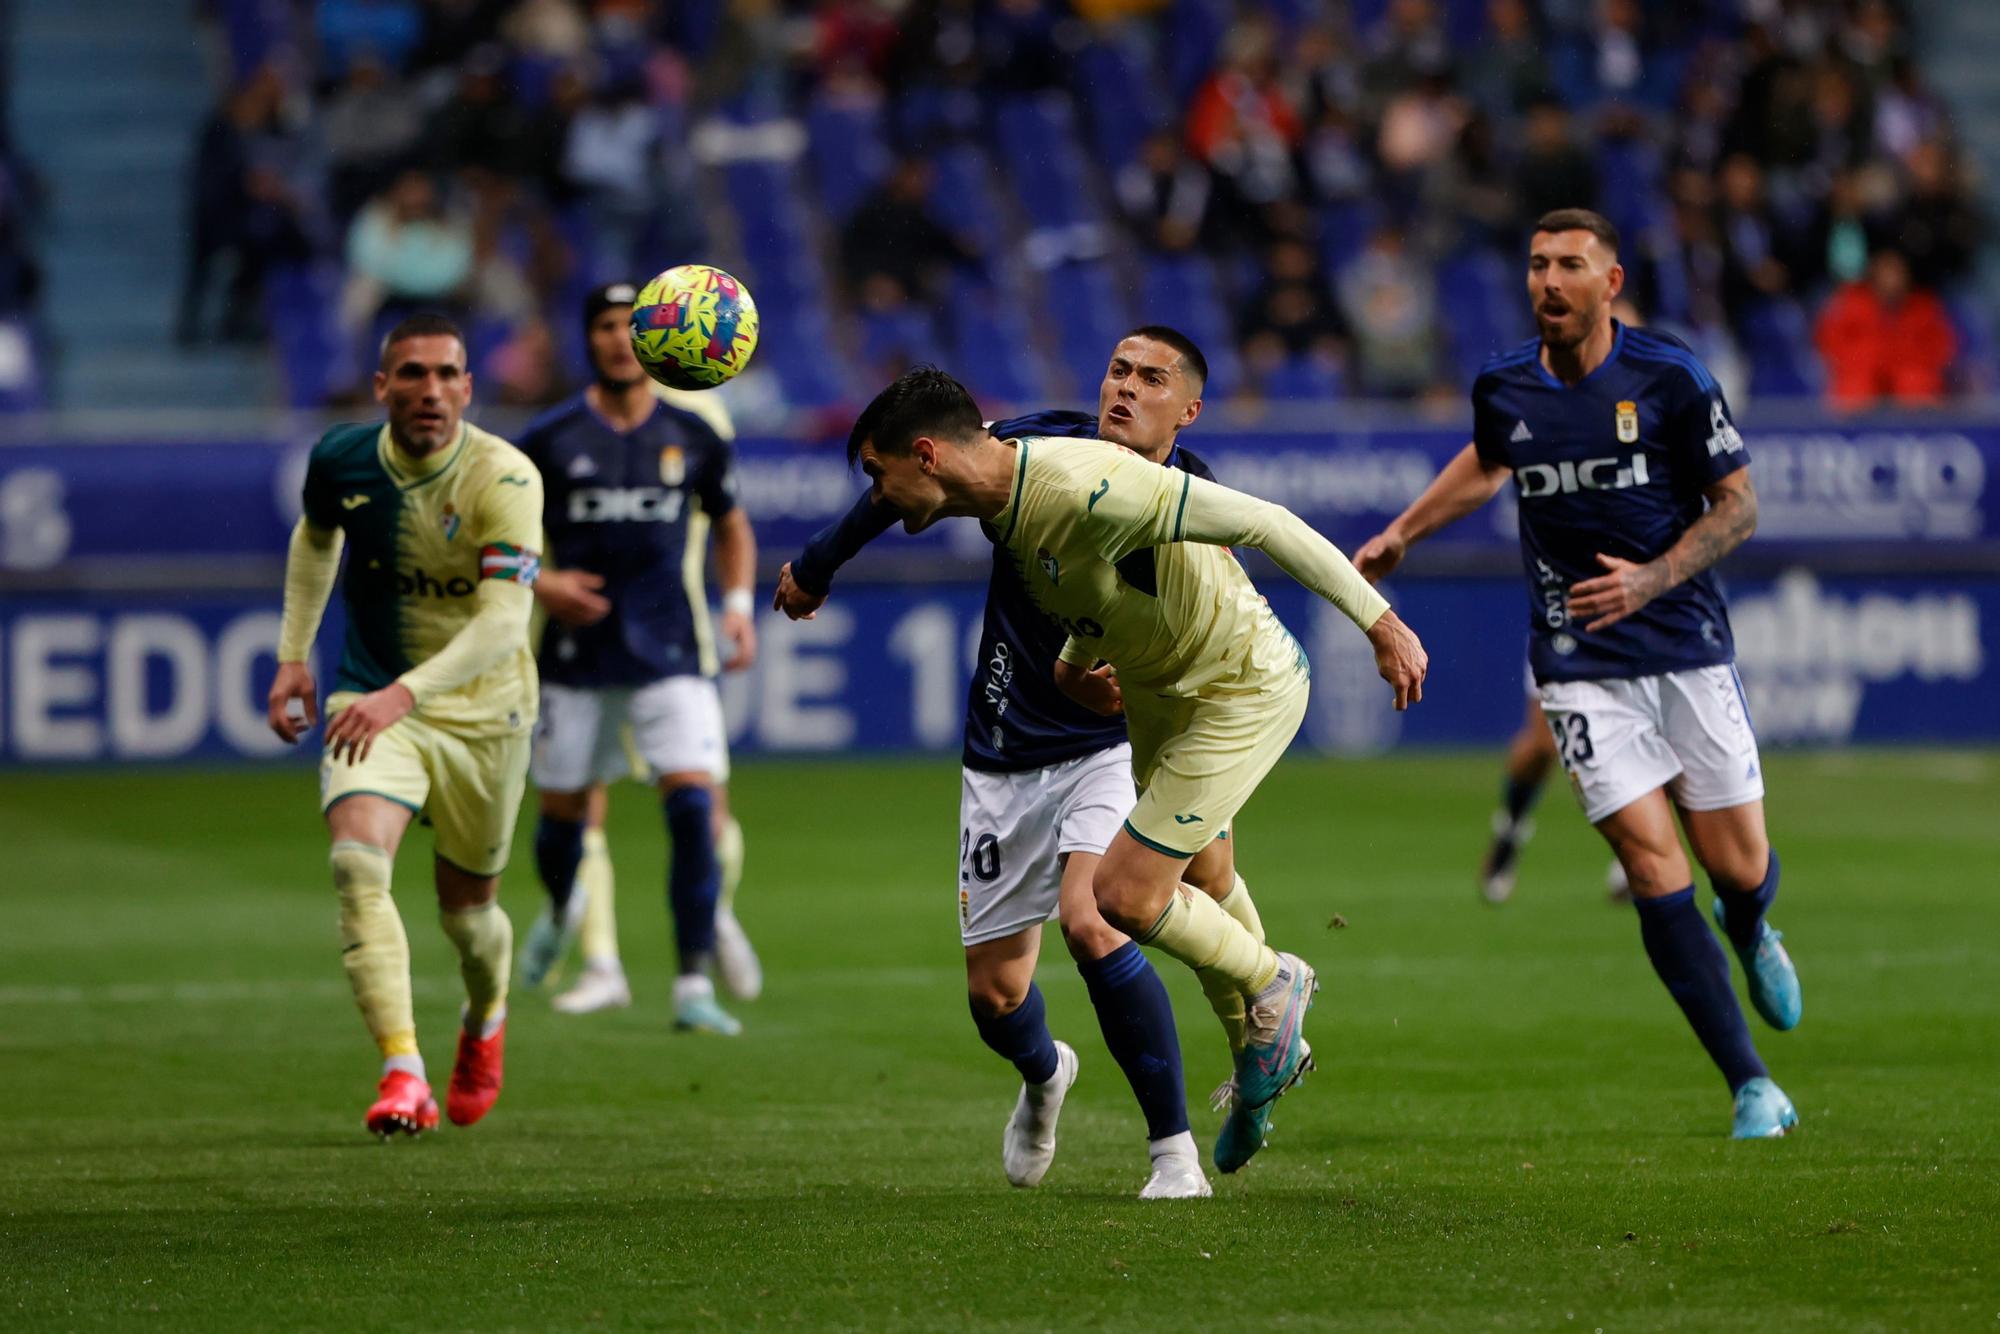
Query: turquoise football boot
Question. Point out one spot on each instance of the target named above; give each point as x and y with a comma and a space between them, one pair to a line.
1763, 1111
1774, 982
1246, 1129
1275, 1055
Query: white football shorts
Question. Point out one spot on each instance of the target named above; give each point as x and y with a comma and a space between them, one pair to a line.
1686, 731
675, 727
1013, 830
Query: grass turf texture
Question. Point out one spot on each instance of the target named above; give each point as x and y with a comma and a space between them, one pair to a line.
1511, 1126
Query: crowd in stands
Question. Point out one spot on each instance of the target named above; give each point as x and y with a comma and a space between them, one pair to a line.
1333, 195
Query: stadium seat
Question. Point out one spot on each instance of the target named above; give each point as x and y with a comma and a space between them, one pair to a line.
1777, 338
1083, 303
993, 347
1303, 379
850, 154
1122, 101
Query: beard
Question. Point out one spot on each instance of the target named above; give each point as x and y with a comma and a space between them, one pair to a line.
616, 384
1568, 329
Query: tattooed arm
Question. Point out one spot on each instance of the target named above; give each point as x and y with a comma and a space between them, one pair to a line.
1628, 586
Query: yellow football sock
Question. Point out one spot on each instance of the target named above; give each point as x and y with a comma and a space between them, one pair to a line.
1223, 996
1237, 904
374, 948
729, 853
485, 940
1195, 930
600, 886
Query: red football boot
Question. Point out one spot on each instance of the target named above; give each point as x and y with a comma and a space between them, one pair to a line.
475, 1076
403, 1105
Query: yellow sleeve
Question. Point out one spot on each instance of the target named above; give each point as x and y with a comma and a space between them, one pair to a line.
1222, 517
1077, 653
508, 527
312, 564
499, 627
1131, 504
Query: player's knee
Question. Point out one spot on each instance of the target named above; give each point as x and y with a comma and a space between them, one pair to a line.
1089, 936
571, 806
995, 997
361, 879
459, 890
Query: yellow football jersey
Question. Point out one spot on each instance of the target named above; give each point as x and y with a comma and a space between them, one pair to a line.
1098, 535
423, 536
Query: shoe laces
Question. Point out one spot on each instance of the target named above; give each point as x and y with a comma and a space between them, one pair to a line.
1224, 1096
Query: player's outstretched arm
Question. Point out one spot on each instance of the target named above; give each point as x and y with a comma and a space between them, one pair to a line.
804, 583
1461, 486
312, 565
1230, 518
736, 568
1629, 585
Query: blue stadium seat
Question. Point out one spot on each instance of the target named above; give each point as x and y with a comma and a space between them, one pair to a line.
1303, 379
1082, 302
992, 347
962, 195
1183, 291
1777, 338
850, 154
1121, 98
1480, 307
894, 339
1037, 141
315, 359
1193, 41
1974, 367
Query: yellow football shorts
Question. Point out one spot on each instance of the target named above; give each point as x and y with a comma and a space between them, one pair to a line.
1197, 761
468, 788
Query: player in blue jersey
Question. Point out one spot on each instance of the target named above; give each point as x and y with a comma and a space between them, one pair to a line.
1633, 483
634, 487
1045, 784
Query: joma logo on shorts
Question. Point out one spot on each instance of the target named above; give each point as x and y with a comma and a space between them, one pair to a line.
1547, 479
418, 584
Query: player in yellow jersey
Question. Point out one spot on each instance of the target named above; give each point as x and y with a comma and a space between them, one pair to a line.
436, 695
1129, 557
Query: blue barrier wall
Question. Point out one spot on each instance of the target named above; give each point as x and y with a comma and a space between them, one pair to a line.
139, 597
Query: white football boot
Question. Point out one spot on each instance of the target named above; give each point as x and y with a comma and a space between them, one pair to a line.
1177, 1173
1028, 1145
598, 987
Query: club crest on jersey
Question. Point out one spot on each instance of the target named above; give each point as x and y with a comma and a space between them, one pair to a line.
1628, 423
673, 466
1050, 565
449, 520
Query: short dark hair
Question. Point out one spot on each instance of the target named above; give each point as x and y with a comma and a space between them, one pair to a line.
424, 324
921, 401
1197, 364
1580, 220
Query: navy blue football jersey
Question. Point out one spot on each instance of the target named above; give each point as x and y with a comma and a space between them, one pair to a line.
1617, 464
1015, 717
634, 508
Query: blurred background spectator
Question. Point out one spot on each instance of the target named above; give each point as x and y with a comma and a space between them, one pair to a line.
1330, 194
1885, 339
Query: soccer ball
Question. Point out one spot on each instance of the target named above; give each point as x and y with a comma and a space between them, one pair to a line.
694, 327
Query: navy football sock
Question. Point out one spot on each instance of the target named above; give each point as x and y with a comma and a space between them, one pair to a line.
694, 877
1517, 797
1022, 1036
1138, 1023
1743, 909
558, 851
1689, 960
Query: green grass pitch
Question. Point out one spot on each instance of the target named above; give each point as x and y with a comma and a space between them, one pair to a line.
1511, 1126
